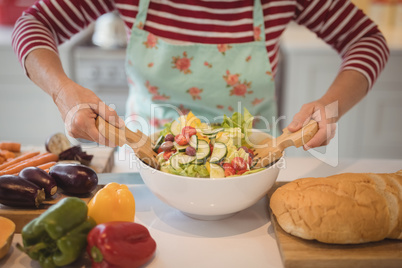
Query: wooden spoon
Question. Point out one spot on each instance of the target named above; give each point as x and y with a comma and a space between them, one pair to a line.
270, 150
138, 141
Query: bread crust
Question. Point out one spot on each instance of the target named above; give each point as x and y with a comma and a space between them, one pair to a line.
348, 208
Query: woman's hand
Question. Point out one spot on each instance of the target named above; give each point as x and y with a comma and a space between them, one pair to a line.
348, 88
79, 108
325, 115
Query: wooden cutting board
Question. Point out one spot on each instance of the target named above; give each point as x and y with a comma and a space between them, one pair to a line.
301, 253
21, 216
103, 160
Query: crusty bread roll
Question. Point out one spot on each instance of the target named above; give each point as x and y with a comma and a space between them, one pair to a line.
348, 208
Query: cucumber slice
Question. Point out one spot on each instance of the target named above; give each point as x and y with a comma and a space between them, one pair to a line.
219, 152
193, 142
216, 171
181, 159
203, 152
158, 143
212, 132
180, 148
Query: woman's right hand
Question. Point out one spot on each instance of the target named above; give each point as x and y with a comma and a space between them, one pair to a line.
79, 108
78, 105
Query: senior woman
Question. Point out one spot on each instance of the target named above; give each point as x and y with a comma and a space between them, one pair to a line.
201, 55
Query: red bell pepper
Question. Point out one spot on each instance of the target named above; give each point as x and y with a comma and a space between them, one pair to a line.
120, 244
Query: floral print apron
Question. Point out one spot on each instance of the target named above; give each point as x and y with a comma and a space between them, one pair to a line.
167, 80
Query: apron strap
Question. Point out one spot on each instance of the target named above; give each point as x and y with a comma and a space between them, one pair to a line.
142, 13
258, 19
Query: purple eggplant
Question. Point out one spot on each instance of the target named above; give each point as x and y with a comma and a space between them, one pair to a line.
76, 153
18, 192
74, 178
40, 178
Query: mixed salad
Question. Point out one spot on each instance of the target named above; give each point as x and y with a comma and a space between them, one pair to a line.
191, 148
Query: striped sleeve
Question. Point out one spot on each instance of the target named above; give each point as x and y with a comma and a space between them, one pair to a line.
49, 23
349, 31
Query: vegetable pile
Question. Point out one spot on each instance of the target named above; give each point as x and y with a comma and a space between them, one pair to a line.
33, 185
188, 147
104, 228
27, 179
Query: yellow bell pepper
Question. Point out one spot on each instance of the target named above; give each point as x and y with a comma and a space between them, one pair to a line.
114, 202
192, 120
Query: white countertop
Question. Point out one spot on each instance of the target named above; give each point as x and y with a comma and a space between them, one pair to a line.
246, 239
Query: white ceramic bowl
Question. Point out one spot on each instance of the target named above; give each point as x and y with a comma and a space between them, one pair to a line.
211, 199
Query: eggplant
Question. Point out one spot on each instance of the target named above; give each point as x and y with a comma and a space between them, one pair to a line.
74, 178
70, 153
18, 192
57, 143
41, 178
76, 153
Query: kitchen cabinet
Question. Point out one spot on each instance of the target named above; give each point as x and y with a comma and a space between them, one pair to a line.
372, 128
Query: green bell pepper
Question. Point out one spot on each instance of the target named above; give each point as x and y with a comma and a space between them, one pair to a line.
58, 236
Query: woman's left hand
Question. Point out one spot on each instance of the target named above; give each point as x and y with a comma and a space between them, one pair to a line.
325, 115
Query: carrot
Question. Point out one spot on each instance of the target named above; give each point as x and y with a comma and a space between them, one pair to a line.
7, 154
30, 162
47, 165
18, 159
11, 146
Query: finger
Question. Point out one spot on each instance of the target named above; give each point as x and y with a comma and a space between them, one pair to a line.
301, 118
325, 133
108, 113
82, 125
331, 134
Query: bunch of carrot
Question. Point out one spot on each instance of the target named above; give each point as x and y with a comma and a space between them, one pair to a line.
8, 150
30, 159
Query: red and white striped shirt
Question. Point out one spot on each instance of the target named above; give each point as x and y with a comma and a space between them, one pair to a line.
339, 23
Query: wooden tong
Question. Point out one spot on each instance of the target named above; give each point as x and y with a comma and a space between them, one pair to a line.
138, 141
270, 150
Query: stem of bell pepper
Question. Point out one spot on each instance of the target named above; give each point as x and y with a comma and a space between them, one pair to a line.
96, 254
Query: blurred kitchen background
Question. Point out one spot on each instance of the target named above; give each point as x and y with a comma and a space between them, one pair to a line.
95, 59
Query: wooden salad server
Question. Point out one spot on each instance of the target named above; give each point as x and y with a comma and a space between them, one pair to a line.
270, 150
139, 142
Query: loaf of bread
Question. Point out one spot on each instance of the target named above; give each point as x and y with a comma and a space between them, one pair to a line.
348, 208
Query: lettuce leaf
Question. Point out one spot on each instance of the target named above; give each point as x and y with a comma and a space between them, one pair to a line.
166, 129
196, 171
243, 121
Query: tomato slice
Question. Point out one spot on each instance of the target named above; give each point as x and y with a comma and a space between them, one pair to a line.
188, 131
240, 172
229, 170
239, 163
168, 154
180, 139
